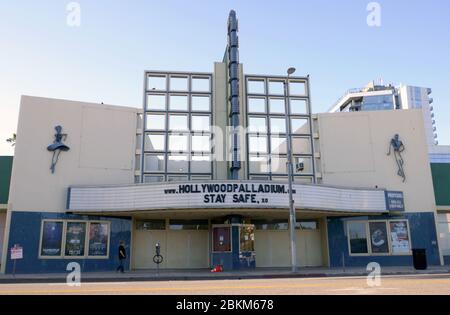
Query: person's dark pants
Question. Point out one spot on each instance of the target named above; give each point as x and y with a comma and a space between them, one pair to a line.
121, 267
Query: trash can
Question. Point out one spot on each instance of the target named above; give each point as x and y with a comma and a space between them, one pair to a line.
419, 258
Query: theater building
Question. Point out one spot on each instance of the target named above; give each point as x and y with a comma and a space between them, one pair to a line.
201, 170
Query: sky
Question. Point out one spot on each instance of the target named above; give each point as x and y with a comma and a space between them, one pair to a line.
104, 58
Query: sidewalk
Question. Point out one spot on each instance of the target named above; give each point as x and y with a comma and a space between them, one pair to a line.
206, 274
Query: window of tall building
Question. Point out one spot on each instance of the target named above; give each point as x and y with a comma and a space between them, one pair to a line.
178, 119
378, 102
267, 133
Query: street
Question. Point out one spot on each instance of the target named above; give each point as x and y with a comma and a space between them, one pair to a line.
404, 284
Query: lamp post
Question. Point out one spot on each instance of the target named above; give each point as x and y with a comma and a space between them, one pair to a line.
292, 217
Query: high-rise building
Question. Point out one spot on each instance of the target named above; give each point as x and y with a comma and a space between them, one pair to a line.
388, 97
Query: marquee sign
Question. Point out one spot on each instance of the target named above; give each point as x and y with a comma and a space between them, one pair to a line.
227, 194
231, 193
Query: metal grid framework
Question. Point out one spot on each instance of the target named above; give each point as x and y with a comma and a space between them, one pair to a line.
267, 94
166, 92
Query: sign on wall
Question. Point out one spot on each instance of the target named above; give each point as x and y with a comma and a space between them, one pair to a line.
395, 201
16, 252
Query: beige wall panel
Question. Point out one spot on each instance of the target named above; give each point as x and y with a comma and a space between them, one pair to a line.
178, 249
302, 254
93, 137
199, 249
187, 249
350, 143
144, 248
262, 248
279, 249
272, 248
324, 241
101, 140
309, 248
313, 248
220, 119
347, 144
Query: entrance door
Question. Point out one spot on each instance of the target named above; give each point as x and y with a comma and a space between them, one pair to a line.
187, 249
309, 248
144, 242
273, 247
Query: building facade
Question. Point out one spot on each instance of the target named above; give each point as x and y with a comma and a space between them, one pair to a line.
201, 170
387, 97
5, 176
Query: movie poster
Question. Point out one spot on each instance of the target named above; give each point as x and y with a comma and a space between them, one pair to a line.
378, 237
98, 239
75, 238
399, 237
51, 238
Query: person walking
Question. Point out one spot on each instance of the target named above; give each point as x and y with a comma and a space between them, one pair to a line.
122, 256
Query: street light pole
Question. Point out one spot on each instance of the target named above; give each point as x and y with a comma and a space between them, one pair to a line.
292, 217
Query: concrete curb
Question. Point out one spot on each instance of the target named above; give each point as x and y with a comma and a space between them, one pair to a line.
61, 278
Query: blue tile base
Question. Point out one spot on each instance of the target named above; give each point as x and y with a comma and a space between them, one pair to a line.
423, 235
25, 230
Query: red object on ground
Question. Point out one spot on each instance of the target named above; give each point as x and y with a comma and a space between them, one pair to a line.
218, 268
